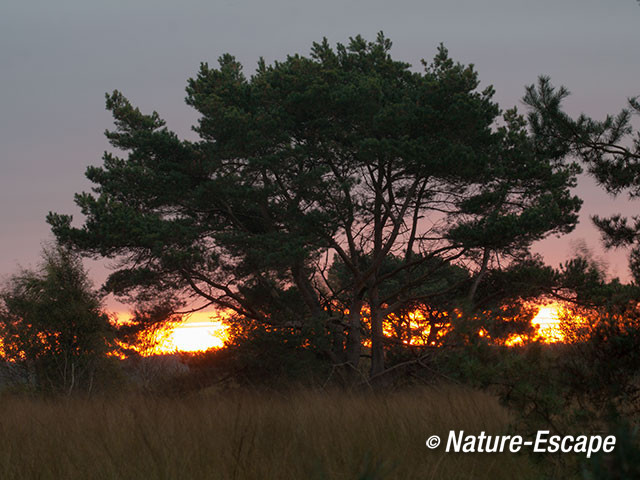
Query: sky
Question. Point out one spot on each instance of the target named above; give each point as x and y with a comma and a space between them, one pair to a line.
57, 60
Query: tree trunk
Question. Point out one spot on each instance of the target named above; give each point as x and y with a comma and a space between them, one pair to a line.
354, 337
480, 275
307, 292
377, 335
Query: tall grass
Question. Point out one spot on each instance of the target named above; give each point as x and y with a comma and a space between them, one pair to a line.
303, 435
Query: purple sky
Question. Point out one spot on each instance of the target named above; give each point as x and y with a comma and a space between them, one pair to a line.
57, 59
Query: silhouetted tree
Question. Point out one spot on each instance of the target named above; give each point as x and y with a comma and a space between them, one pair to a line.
344, 154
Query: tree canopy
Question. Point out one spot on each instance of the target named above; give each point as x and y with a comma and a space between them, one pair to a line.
344, 157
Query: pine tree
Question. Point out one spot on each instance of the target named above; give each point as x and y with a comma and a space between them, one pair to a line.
346, 154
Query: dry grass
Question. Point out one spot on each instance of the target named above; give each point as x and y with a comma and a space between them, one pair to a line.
307, 435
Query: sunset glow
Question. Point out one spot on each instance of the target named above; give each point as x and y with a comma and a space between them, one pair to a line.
200, 331
206, 330
193, 336
547, 324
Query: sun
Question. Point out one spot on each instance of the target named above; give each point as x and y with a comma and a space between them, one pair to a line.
548, 322
198, 333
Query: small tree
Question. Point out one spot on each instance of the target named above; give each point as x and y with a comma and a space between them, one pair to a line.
52, 325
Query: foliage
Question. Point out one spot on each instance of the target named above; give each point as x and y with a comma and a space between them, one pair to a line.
51, 324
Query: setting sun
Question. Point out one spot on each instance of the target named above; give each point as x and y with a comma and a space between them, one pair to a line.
198, 333
548, 322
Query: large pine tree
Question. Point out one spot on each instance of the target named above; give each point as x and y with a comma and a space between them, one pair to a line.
345, 154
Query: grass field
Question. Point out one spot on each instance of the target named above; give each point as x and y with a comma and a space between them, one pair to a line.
314, 435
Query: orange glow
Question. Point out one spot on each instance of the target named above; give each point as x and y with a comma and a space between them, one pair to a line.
207, 330
414, 328
193, 336
547, 324
200, 331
